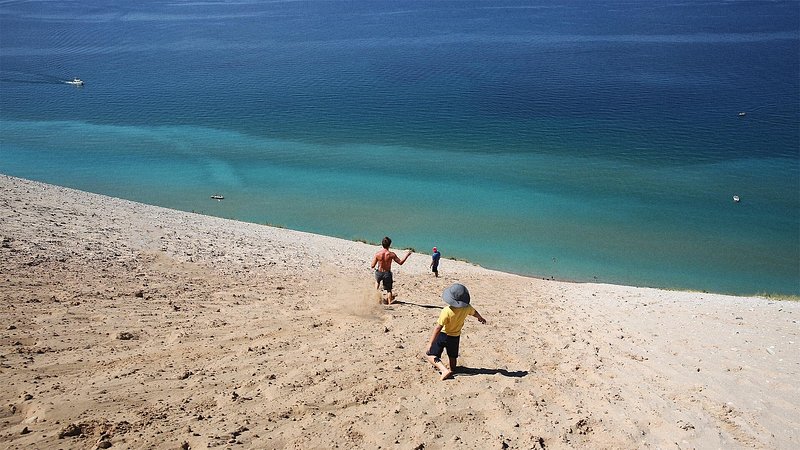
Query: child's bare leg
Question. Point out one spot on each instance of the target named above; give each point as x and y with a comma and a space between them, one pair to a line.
389, 298
446, 373
453, 364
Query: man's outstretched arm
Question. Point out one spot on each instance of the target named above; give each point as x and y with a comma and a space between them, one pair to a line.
401, 261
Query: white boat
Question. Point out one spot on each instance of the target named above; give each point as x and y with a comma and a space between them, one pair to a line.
742, 114
736, 199
217, 197
75, 82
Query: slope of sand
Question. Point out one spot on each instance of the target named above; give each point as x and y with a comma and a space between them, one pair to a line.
131, 326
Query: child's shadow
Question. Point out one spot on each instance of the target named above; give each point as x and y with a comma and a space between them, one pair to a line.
470, 371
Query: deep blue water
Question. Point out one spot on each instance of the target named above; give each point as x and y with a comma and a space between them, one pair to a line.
580, 140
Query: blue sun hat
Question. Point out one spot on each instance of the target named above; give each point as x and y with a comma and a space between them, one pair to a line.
456, 295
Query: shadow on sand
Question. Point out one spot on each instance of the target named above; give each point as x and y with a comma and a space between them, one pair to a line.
469, 371
400, 302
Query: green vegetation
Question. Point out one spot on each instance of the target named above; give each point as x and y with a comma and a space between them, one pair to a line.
780, 297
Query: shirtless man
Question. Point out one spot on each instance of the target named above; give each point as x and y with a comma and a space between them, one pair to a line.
383, 272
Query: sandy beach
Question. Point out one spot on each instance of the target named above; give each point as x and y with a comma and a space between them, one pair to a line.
131, 326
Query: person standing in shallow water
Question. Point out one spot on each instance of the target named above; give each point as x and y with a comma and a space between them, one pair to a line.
382, 263
435, 261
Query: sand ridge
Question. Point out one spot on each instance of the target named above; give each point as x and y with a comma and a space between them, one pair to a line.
132, 326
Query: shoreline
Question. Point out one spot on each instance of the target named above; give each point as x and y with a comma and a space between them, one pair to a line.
540, 276
142, 326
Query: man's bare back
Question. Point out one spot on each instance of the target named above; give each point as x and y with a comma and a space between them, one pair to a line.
384, 260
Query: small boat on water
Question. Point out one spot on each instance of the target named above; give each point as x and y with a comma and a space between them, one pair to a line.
742, 114
736, 199
218, 197
75, 82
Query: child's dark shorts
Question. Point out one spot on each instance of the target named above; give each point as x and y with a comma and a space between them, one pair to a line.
445, 342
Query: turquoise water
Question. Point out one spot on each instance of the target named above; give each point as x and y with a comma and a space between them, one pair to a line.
596, 142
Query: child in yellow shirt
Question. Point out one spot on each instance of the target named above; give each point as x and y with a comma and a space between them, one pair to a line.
447, 332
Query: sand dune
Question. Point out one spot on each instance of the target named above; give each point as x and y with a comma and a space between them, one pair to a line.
130, 326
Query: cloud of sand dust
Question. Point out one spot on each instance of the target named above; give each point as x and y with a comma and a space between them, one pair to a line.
349, 296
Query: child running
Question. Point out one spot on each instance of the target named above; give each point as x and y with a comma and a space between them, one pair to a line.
447, 332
